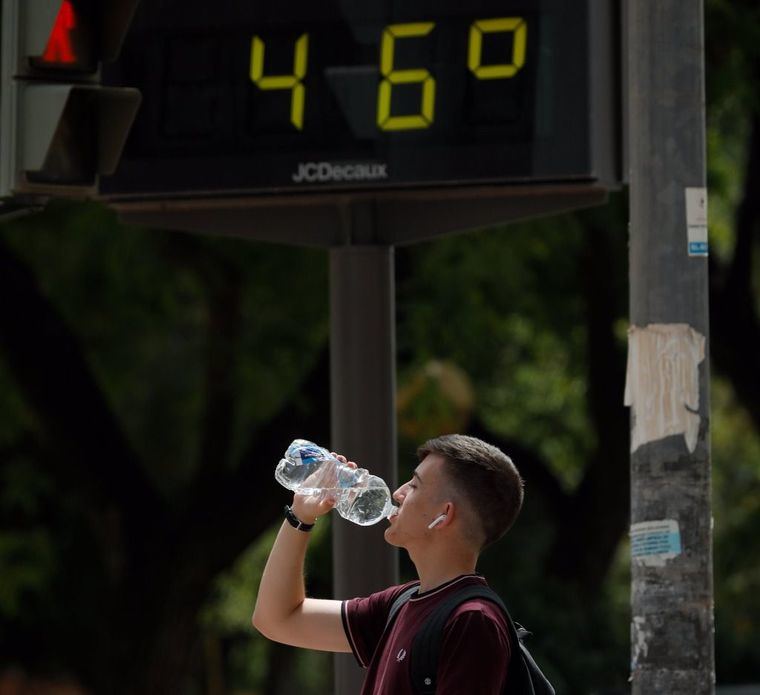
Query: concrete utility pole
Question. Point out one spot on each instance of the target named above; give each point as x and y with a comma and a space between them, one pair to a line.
668, 362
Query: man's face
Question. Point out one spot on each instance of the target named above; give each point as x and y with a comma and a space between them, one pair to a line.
420, 501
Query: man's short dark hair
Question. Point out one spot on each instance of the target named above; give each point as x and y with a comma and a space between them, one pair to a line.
486, 477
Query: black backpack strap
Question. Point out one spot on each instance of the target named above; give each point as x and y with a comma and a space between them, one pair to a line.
426, 647
399, 602
524, 676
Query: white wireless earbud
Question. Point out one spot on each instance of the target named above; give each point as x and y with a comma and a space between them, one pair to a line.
436, 521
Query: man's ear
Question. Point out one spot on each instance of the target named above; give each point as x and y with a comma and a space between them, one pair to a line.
442, 518
437, 521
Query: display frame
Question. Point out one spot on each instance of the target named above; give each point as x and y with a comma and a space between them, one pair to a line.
198, 194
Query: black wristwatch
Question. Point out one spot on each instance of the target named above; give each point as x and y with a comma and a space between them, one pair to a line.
295, 522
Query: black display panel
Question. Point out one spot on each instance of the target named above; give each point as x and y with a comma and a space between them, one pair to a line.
253, 97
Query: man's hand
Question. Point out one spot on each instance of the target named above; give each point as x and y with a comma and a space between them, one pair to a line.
308, 508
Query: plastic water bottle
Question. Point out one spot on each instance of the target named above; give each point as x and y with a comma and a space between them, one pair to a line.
311, 470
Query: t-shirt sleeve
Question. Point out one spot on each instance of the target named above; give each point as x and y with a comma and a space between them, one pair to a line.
364, 622
475, 652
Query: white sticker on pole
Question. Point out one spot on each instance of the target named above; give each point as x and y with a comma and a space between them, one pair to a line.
696, 221
653, 543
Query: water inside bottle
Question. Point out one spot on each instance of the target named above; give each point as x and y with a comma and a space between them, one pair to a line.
369, 508
292, 475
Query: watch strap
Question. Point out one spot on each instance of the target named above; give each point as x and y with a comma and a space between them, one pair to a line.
295, 522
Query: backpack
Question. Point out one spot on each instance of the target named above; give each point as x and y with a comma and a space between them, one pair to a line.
524, 677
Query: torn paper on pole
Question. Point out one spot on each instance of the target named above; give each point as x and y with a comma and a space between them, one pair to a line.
641, 635
662, 382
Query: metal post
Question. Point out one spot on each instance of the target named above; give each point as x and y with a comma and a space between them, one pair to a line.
363, 386
668, 364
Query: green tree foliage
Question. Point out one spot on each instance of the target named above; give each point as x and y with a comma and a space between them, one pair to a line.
733, 79
152, 378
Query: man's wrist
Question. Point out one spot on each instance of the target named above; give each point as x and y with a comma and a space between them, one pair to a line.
306, 514
297, 522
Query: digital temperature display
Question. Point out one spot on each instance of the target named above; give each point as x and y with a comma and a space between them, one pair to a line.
254, 97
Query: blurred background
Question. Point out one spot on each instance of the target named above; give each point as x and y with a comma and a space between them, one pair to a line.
150, 381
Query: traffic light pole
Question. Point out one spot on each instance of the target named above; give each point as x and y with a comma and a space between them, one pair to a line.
363, 385
668, 363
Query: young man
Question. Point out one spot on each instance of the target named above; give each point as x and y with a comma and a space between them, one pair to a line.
463, 495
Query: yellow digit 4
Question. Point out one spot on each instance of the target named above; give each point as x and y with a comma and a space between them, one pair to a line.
502, 25
292, 82
393, 76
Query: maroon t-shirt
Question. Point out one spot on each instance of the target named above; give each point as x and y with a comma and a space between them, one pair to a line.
475, 649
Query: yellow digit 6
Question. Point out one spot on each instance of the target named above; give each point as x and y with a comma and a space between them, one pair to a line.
384, 119
292, 82
502, 25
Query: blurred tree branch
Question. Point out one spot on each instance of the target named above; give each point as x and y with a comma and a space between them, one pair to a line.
598, 513
735, 328
168, 555
47, 362
223, 284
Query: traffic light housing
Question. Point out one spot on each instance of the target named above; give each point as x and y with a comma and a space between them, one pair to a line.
59, 127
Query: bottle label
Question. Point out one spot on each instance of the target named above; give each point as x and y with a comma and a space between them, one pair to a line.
306, 454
